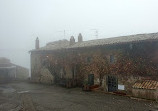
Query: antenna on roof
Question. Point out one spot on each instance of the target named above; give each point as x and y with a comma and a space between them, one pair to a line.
64, 33
96, 33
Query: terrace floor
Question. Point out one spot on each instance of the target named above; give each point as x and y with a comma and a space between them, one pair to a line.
23, 96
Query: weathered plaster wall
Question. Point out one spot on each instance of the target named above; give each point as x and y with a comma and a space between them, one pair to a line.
7, 74
22, 73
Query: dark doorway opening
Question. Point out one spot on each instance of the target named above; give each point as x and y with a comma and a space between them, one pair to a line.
91, 79
112, 83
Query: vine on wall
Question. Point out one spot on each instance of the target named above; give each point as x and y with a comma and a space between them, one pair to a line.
135, 61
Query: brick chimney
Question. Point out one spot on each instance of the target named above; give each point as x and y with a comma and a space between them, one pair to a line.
72, 40
80, 39
37, 43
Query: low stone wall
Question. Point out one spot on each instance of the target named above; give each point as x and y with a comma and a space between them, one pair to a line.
145, 93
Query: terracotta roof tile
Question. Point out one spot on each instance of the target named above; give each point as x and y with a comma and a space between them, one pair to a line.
146, 84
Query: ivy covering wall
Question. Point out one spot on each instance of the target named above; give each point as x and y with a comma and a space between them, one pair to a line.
136, 59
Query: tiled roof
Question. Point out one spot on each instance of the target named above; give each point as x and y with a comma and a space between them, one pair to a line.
61, 44
64, 44
117, 40
146, 84
4, 60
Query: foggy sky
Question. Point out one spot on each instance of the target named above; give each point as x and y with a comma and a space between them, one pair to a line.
21, 21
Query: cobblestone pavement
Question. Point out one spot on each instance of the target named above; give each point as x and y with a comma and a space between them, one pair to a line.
22, 96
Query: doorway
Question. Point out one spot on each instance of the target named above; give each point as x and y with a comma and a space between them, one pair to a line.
112, 83
91, 79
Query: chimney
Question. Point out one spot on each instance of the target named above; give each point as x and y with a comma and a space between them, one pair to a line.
37, 43
80, 39
72, 40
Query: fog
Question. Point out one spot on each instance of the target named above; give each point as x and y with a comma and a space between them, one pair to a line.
21, 21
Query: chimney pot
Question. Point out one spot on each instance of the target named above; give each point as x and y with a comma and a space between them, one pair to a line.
37, 43
72, 40
80, 38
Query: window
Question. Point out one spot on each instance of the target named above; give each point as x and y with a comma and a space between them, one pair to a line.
112, 59
62, 72
89, 59
91, 79
131, 46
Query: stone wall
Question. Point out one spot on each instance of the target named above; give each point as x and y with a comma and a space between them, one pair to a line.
145, 93
40, 73
35, 67
45, 76
128, 64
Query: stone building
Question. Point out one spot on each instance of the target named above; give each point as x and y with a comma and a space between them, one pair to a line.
10, 71
7, 70
113, 63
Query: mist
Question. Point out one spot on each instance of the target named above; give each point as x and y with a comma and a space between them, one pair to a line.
21, 21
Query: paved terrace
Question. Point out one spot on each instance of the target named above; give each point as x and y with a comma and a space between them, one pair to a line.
22, 96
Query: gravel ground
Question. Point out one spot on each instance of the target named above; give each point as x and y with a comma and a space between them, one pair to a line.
22, 96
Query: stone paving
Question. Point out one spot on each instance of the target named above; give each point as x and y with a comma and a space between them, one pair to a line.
23, 96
